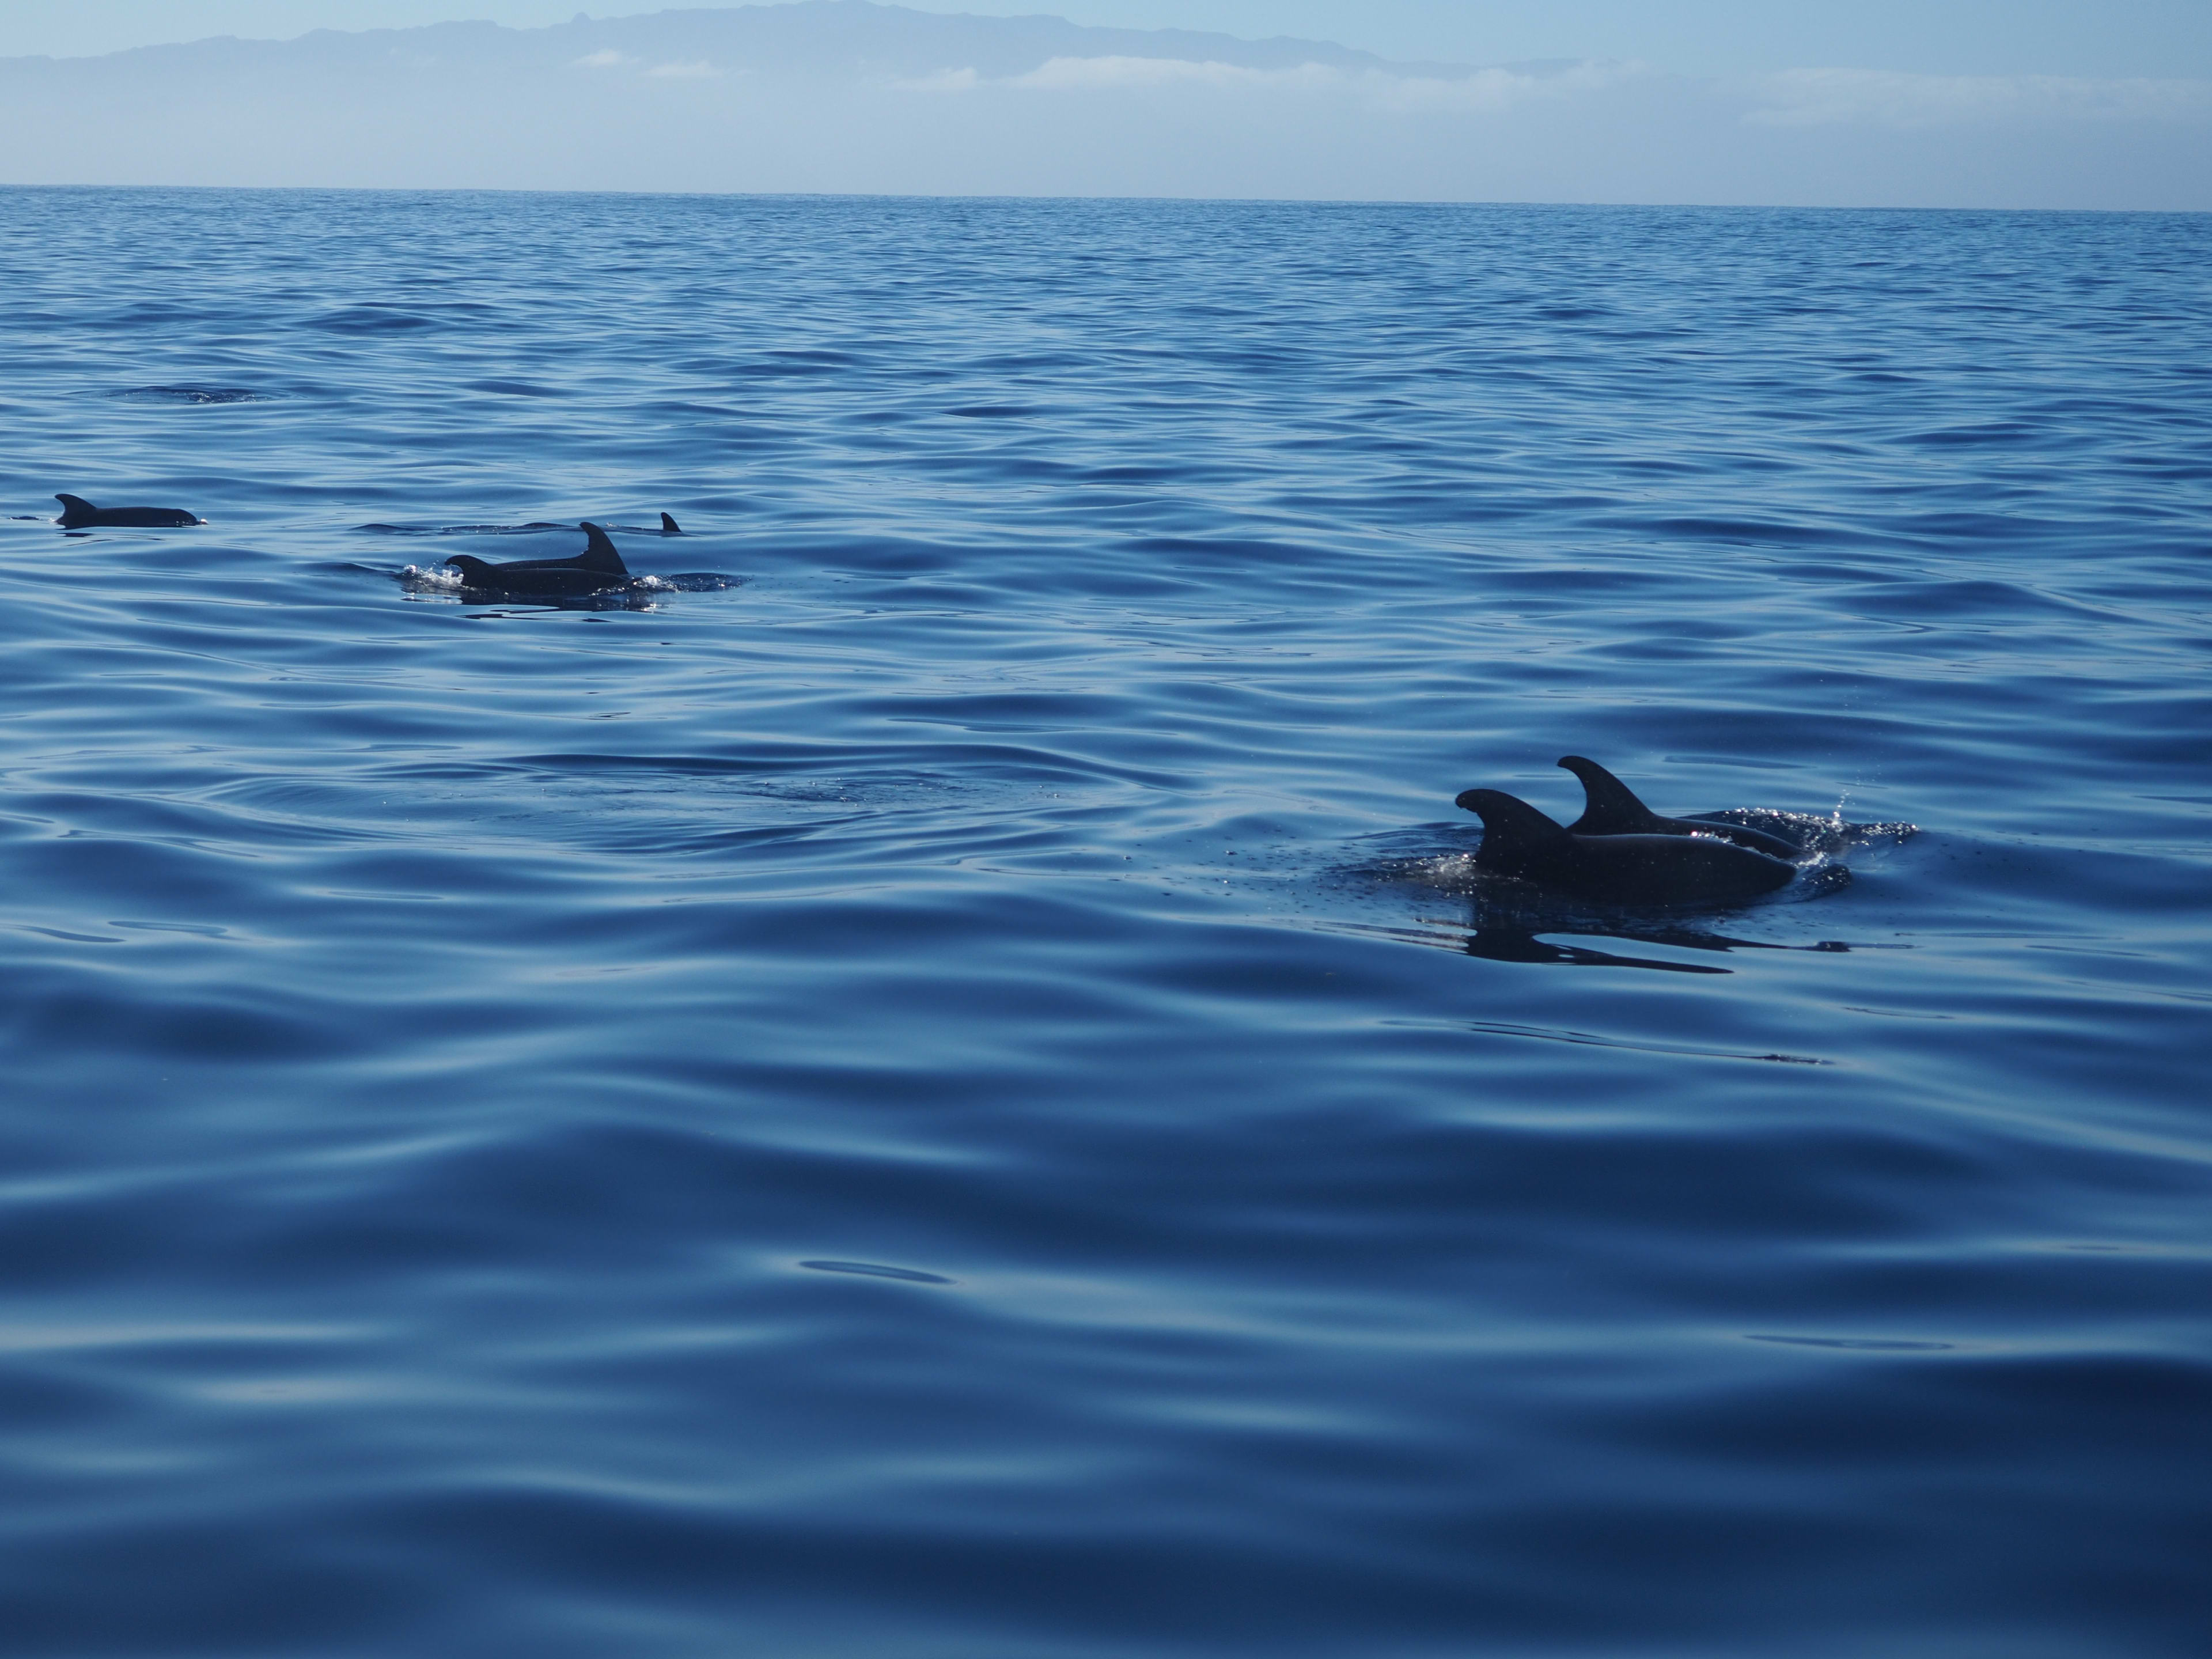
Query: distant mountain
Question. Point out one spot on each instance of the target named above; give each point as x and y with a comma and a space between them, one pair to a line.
831, 39
847, 96
816, 95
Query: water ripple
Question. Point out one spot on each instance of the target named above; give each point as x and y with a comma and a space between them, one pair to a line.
940, 1079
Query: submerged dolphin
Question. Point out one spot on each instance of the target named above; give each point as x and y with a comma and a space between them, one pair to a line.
78, 513
594, 571
1664, 868
1610, 808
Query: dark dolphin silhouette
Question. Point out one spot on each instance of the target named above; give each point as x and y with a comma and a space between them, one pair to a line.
594, 571
1611, 808
669, 526
78, 513
1519, 841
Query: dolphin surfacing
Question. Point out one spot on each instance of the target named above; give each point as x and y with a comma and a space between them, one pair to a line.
78, 513
1611, 808
594, 571
1630, 868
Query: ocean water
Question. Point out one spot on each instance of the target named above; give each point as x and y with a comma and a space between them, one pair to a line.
944, 1085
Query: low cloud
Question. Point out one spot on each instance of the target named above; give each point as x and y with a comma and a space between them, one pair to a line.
1490, 88
1825, 97
956, 80
610, 58
1110, 74
1499, 88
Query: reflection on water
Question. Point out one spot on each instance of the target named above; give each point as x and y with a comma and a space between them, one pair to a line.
1506, 929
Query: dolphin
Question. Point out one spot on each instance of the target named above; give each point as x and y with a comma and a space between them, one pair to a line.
78, 513
594, 571
1610, 808
1519, 841
669, 526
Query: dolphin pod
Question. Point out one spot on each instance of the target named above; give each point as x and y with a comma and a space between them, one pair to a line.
1618, 850
1635, 866
1611, 808
597, 569
78, 513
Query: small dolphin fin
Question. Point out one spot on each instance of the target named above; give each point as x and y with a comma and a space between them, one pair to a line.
600, 553
669, 526
76, 508
1609, 807
1509, 824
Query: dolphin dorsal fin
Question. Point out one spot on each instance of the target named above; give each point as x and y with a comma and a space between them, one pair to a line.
75, 510
669, 526
1509, 824
1609, 807
75, 501
600, 553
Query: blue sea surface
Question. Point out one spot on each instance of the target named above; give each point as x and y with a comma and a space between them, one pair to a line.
945, 1087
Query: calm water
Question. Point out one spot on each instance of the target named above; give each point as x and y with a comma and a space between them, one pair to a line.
951, 1095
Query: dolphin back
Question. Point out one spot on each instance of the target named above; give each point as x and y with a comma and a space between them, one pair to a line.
1664, 867
1609, 807
599, 552
76, 512
1670, 869
1517, 839
594, 571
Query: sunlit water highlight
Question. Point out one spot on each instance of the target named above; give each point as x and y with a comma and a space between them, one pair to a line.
938, 1081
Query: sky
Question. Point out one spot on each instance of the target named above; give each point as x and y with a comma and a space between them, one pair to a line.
2101, 38
2061, 104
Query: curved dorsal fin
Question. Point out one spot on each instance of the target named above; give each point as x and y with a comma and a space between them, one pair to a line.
669, 526
75, 510
599, 552
1509, 826
1609, 807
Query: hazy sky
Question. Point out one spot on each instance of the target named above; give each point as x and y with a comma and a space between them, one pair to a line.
1887, 103
2164, 38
